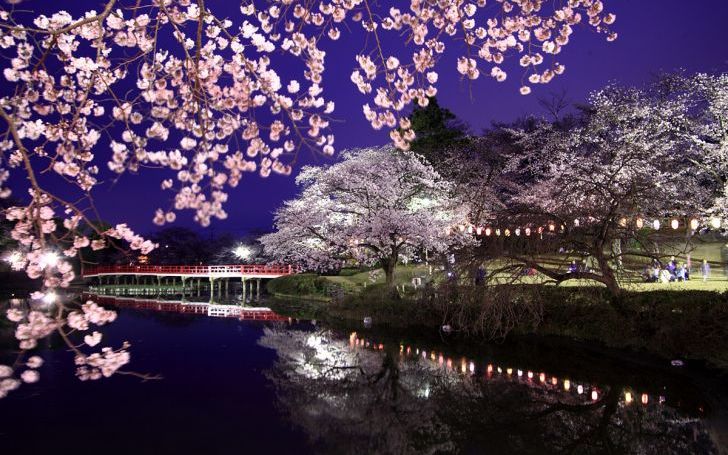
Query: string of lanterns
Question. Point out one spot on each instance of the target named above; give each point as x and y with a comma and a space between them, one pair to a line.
639, 223
493, 371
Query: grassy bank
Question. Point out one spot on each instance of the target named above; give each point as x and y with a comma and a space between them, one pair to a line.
671, 321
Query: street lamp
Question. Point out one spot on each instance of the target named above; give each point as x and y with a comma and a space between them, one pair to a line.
242, 252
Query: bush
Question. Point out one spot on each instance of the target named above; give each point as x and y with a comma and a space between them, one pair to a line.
301, 285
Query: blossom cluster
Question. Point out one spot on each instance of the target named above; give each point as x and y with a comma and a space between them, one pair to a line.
35, 324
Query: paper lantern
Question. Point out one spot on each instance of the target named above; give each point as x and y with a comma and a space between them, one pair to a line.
576, 222
694, 224
528, 232
487, 231
594, 395
552, 227
479, 230
640, 223
656, 225
507, 232
462, 228
623, 222
674, 224
715, 222
497, 232
470, 229
518, 232
627, 397
645, 398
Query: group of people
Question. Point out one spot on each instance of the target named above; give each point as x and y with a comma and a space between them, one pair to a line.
672, 271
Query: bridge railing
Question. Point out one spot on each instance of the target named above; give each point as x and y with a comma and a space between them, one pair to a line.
243, 269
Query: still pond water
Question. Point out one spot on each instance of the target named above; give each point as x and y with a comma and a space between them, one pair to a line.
295, 387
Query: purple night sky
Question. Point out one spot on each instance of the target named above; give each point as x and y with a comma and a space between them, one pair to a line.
654, 36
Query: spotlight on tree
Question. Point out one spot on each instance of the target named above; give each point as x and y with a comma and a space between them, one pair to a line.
243, 252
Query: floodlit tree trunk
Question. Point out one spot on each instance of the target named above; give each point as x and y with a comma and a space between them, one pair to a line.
389, 264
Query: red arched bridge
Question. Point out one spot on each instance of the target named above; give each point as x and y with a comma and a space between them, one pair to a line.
192, 271
181, 279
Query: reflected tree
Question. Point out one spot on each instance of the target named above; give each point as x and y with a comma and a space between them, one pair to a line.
352, 399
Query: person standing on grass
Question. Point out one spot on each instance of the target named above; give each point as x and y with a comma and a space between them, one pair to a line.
705, 270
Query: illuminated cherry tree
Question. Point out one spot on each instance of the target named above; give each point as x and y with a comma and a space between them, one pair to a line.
606, 179
708, 95
373, 207
173, 85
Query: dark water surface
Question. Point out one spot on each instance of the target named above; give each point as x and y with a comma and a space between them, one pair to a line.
237, 386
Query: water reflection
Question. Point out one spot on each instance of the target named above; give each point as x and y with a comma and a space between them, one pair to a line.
221, 309
359, 395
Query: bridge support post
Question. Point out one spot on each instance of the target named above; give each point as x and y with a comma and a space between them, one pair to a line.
227, 286
244, 289
257, 289
212, 288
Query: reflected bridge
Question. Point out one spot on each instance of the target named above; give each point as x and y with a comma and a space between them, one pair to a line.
182, 279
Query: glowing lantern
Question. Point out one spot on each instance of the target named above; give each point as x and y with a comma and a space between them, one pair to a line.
449, 363
580, 389
448, 231
623, 222
640, 223
528, 232
567, 384
552, 227
50, 297
715, 222
674, 224
645, 398
489, 369
656, 225
530, 375
576, 222
594, 395
540, 229
627, 397
542, 377
497, 232
462, 228
500, 370
520, 373
479, 231
694, 224
470, 229
509, 371
554, 381
471, 367
518, 232
507, 232
487, 231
